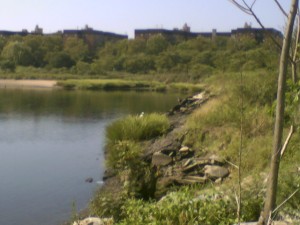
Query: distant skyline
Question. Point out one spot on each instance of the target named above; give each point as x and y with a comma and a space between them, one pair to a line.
123, 16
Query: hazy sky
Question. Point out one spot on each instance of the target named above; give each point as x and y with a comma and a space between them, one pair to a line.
123, 16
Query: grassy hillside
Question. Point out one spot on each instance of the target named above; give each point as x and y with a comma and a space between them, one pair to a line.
241, 102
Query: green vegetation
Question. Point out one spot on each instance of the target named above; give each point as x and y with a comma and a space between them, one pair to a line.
124, 159
214, 128
240, 73
118, 84
53, 57
137, 128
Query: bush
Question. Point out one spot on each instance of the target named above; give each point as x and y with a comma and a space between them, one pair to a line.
107, 204
137, 128
123, 155
8, 65
189, 207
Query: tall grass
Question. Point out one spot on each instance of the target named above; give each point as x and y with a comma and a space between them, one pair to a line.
136, 128
126, 84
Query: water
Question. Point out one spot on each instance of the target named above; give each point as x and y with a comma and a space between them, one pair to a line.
51, 141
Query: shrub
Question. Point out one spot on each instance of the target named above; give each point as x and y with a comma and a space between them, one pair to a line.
137, 128
107, 204
123, 155
8, 65
186, 206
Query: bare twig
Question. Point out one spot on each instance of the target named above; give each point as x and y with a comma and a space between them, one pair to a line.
249, 10
281, 204
244, 9
231, 164
240, 150
238, 203
281, 8
287, 140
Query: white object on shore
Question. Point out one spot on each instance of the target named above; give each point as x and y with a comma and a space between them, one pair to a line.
95, 221
141, 115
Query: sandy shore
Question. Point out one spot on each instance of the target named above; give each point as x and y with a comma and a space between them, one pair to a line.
27, 83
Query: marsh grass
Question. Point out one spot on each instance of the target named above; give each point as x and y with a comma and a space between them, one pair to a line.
128, 84
136, 128
107, 84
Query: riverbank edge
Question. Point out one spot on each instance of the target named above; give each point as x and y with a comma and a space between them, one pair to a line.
28, 84
177, 116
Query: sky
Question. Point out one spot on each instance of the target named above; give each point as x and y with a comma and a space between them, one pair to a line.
123, 16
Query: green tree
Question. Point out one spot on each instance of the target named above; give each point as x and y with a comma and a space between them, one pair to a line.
35, 43
17, 52
156, 44
139, 64
136, 46
60, 60
166, 61
76, 48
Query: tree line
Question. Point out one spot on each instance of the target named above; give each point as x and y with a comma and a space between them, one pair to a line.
195, 57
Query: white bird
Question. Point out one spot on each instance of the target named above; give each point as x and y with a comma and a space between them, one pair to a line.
141, 115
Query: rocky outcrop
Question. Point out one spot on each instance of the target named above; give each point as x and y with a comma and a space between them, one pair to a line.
177, 164
184, 168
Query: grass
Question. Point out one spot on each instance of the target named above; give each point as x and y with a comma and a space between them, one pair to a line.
108, 84
123, 84
214, 128
136, 128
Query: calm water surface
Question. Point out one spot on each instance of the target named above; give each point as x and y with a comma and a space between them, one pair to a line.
51, 141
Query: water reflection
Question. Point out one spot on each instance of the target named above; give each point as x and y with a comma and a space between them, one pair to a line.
51, 141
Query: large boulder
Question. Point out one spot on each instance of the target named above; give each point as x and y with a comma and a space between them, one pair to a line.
160, 159
215, 172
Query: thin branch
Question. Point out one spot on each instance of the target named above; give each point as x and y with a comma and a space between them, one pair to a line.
278, 207
244, 9
231, 164
297, 37
281, 8
249, 10
253, 3
287, 140
240, 150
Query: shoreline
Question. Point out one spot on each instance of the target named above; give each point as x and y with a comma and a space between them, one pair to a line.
28, 84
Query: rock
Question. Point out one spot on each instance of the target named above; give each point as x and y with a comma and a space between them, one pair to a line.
198, 163
89, 180
184, 149
197, 179
215, 172
168, 145
160, 159
187, 162
191, 167
218, 181
95, 221
199, 96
